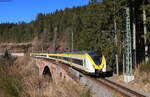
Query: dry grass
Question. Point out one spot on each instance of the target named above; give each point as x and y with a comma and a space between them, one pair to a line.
10, 86
142, 77
141, 81
26, 72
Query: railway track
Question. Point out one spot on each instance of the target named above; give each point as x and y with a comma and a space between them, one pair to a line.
115, 87
124, 91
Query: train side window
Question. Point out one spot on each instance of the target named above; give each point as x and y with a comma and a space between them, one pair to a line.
77, 61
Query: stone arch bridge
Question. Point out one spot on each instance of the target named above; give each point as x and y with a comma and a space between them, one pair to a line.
55, 70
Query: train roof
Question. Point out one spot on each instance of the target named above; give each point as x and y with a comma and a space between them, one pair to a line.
83, 52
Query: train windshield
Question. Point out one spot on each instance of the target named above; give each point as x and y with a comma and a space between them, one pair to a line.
96, 57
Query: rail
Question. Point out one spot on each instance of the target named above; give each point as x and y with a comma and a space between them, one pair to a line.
122, 89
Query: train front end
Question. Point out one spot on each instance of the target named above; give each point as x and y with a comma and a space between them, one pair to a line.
98, 61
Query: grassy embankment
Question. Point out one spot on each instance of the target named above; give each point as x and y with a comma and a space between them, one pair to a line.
18, 78
142, 77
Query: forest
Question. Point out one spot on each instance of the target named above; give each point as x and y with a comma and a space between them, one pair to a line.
89, 27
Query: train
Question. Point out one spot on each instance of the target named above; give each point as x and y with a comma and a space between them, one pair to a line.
88, 62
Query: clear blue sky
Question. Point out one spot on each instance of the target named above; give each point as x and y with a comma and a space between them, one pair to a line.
26, 10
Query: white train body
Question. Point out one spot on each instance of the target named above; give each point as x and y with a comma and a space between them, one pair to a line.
88, 62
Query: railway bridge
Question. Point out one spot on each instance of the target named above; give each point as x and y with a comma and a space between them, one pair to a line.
54, 71
102, 87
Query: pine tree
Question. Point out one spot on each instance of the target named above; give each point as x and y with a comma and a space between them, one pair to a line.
92, 1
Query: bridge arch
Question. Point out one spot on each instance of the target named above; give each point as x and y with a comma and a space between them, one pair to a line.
47, 75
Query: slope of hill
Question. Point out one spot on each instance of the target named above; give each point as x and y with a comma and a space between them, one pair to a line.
21, 80
90, 26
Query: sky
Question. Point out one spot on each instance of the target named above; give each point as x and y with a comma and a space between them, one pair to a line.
26, 10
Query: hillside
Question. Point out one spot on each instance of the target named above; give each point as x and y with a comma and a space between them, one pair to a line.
21, 79
89, 26
85, 28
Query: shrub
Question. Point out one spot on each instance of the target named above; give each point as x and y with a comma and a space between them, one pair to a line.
9, 86
7, 59
145, 67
